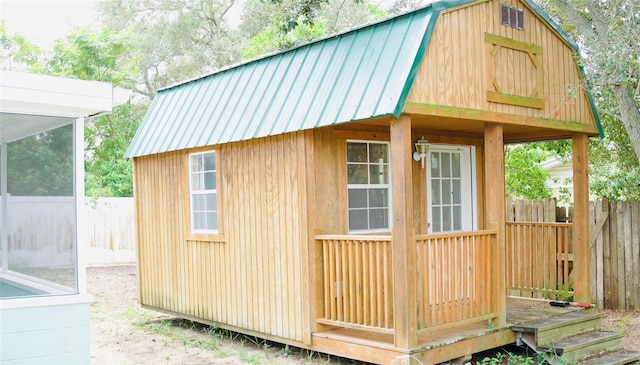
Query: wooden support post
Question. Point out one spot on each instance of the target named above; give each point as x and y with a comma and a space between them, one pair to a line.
404, 243
495, 212
581, 251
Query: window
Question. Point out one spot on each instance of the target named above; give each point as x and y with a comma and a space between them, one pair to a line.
368, 186
204, 203
511, 16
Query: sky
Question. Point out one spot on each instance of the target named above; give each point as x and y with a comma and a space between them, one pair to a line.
44, 21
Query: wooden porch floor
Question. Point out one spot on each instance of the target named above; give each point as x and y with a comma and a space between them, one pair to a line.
437, 346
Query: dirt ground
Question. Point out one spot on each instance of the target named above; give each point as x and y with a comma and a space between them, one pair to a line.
124, 333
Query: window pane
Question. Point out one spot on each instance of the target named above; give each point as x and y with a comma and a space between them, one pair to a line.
446, 164
210, 180
378, 153
435, 192
378, 218
446, 219
436, 220
378, 198
379, 174
199, 202
446, 191
357, 198
455, 164
358, 219
212, 221
196, 183
199, 220
457, 218
457, 191
357, 174
196, 163
212, 203
435, 164
209, 161
356, 152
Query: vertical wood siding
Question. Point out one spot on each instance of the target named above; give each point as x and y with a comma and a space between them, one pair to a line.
253, 278
456, 70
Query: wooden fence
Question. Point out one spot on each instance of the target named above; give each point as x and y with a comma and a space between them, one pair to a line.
614, 243
41, 230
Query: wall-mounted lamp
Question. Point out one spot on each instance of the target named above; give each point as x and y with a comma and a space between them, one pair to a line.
422, 149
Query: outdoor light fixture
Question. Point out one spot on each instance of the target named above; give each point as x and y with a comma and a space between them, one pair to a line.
422, 149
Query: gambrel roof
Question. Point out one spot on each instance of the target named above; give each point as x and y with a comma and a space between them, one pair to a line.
360, 74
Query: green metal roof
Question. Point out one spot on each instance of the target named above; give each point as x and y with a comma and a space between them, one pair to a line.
360, 74
363, 73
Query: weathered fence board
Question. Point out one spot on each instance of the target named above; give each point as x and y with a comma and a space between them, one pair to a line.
614, 243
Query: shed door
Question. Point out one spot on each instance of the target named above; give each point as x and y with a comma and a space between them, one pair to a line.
451, 198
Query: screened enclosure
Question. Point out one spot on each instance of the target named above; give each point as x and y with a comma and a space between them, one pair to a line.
38, 232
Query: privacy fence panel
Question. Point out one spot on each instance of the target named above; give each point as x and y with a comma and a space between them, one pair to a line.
615, 254
614, 244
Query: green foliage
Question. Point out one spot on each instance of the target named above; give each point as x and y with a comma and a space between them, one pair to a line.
17, 53
41, 165
103, 56
271, 39
107, 138
196, 38
524, 177
621, 185
97, 56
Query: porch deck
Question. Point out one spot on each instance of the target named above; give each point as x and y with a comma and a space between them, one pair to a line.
438, 346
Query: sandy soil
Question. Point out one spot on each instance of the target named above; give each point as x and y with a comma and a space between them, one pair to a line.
124, 333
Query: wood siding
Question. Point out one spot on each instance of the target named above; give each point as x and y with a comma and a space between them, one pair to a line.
462, 65
253, 278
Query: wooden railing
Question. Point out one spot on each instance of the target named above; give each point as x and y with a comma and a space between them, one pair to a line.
357, 282
454, 278
453, 281
539, 259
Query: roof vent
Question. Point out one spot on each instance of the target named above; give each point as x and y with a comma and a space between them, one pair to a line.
511, 16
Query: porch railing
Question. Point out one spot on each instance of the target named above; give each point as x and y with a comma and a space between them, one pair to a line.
539, 259
453, 280
357, 281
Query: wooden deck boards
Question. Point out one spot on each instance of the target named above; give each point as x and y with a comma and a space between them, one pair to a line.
436, 346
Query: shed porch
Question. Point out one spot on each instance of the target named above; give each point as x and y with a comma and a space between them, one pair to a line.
436, 346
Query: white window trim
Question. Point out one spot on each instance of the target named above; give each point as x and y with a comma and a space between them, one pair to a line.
367, 186
209, 191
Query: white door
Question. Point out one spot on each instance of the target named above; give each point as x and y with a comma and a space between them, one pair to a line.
451, 197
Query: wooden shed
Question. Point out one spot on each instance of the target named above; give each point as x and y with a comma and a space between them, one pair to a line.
347, 195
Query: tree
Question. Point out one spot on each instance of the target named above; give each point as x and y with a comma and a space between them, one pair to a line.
270, 28
609, 32
107, 56
175, 40
17, 53
41, 165
524, 176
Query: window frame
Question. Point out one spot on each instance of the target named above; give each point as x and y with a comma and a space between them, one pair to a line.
368, 186
203, 234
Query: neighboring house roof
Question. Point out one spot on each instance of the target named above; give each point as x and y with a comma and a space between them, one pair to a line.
361, 74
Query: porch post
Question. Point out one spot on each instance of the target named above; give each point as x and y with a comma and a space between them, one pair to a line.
404, 245
495, 201
581, 249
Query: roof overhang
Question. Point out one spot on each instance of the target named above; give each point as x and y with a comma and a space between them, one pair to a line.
31, 103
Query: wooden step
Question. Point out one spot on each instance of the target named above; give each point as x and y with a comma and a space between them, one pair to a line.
620, 357
548, 330
586, 345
